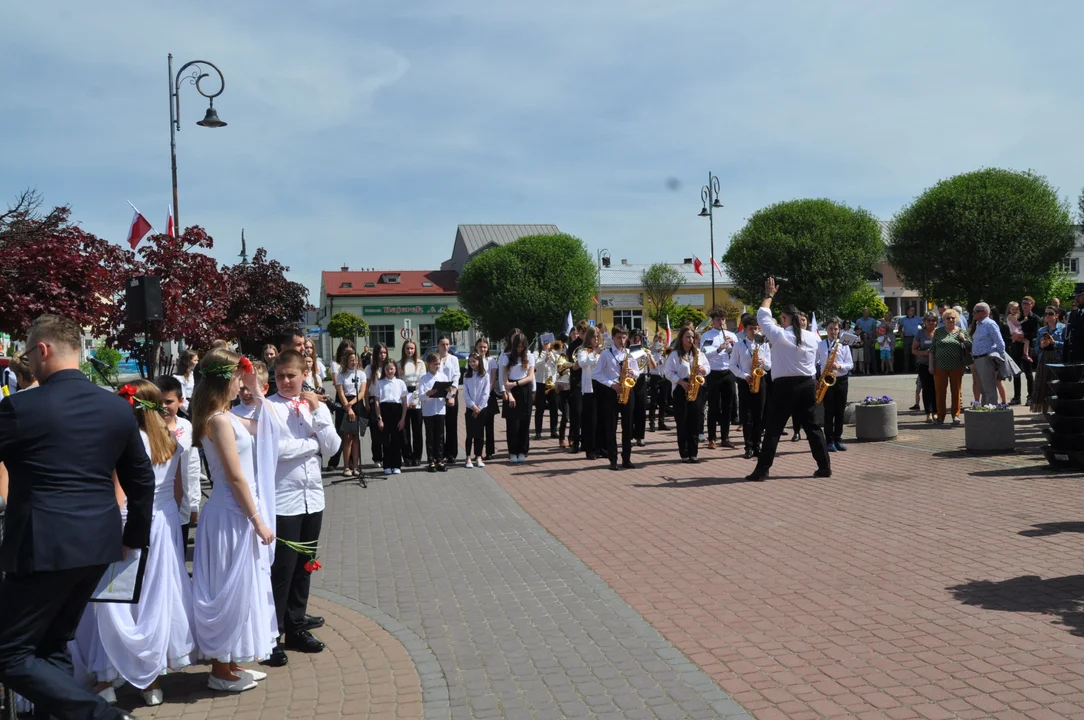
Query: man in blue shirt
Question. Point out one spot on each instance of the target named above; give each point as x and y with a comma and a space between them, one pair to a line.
909, 326
868, 325
988, 349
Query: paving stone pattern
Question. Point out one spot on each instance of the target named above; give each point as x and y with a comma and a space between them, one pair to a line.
918, 582
517, 626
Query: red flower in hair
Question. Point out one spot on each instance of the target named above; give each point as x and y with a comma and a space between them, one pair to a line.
245, 364
128, 392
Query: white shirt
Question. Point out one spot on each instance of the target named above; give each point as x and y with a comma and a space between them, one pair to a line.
587, 361
187, 387
515, 372
299, 487
742, 358
608, 369
410, 372
656, 355
190, 470
843, 357
351, 381
450, 367
476, 391
545, 368
713, 345
321, 370
677, 368
431, 406
390, 390
248, 412
788, 358
492, 368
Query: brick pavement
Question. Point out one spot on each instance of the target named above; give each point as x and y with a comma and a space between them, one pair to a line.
515, 626
363, 673
917, 582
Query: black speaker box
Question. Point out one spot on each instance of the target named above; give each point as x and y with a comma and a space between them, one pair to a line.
143, 298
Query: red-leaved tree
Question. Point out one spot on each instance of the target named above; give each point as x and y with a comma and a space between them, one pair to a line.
263, 304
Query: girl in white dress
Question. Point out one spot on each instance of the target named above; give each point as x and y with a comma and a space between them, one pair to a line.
233, 617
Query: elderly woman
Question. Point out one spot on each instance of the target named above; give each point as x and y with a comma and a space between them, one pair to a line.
950, 353
1050, 342
920, 348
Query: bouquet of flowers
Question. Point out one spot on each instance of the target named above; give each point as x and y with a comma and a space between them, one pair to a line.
305, 549
870, 400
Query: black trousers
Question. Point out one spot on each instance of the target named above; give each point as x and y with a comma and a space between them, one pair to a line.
929, 396
689, 418
792, 397
434, 438
451, 431
639, 410
562, 407
1027, 367
659, 398
720, 391
289, 578
542, 401
493, 409
518, 421
575, 413
333, 461
609, 413
40, 613
835, 402
752, 414
391, 414
476, 426
412, 436
588, 423
376, 436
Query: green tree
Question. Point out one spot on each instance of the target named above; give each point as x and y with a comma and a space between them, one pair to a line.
111, 358
347, 326
531, 284
452, 320
820, 251
850, 308
990, 234
660, 283
683, 313
1057, 285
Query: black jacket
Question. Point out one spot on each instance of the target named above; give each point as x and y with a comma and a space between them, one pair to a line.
61, 443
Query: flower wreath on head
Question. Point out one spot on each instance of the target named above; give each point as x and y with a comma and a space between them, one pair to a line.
128, 392
226, 370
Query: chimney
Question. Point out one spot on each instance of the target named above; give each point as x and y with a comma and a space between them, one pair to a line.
624, 261
346, 268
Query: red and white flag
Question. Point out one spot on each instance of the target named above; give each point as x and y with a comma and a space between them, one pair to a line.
169, 222
138, 229
716, 266
698, 266
669, 339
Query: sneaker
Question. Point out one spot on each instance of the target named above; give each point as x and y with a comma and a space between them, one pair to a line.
242, 683
913, 407
387, 471
152, 696
432, 467
479, 463
396, 471
831, 447
955, 420
468, 464
441, 467
841, 447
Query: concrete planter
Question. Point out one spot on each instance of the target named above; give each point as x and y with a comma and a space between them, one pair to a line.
875, 422
990, 430
848, 414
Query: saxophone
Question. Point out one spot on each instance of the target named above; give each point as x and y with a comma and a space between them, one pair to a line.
626, 382
757, 372
695, 378
828, 378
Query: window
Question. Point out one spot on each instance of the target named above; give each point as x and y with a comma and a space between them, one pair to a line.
427, 337
370, 284
391, 279
1070, 265
383, 334
346, 285
631, 319
426, 283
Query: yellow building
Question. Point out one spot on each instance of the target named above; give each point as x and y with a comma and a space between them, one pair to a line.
622, 300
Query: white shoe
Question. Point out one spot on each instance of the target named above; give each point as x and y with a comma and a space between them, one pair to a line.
468, 464
256, 675
109, 695
152, 696
242, 683
513, 458
396, 471
387, 471
480, 463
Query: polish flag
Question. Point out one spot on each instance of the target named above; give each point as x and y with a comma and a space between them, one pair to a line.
698, 266
138, 229
716, 266
669, 339
169, 222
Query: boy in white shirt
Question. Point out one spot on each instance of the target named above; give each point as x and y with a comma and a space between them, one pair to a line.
173, 399
308, 432
433, 412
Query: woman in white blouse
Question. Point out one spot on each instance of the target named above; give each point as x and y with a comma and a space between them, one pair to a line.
586, 358
683, 364
411, 369
517, 380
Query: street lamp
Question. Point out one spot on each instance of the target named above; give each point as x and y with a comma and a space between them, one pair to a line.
603, 261
210, 119
709, 194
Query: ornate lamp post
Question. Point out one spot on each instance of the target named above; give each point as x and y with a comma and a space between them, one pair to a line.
709, 194
603, 261
209, 120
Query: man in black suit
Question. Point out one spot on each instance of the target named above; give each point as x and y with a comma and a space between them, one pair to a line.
61, 444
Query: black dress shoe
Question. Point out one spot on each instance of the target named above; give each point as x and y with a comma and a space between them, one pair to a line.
748, 453
303, 641
278, 657
823, 472
757, 476
311, 622
694, 460
613, 466
664, 428
628, 465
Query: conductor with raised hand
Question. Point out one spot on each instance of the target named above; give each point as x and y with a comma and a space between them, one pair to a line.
61, 444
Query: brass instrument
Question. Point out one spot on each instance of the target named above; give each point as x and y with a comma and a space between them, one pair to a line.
828, 377
558, 347
757, 372
625, 382
695, 378
550, 385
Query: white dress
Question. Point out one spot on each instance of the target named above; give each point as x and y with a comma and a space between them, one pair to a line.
142, 641
233, 616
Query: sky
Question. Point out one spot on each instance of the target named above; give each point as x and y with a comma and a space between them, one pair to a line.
361, 133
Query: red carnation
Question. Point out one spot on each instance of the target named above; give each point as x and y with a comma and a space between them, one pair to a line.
313, 565
246, 365
128, 392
